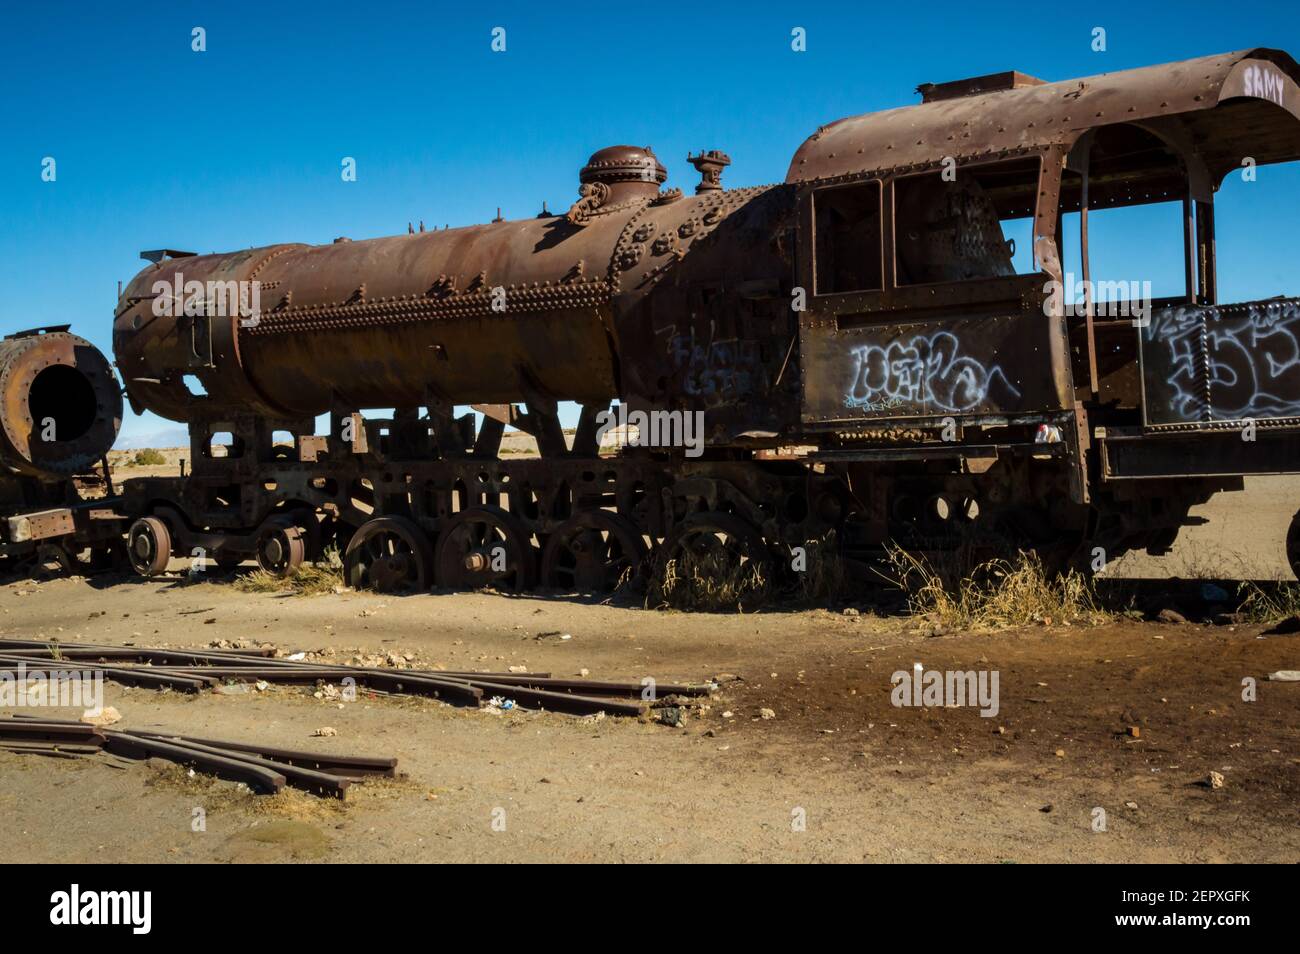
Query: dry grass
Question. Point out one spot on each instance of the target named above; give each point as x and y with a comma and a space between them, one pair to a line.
997, 594
310, 579
709, 585
1259, 605
824, 577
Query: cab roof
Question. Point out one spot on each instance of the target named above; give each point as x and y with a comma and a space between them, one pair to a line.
1235, 105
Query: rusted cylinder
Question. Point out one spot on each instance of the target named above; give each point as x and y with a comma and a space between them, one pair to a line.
470, 315
60, 404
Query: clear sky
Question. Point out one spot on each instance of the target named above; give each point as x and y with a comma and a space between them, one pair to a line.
160, 146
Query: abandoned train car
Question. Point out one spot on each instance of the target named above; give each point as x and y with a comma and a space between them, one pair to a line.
870, 356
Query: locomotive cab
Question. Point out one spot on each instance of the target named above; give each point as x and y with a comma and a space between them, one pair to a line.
980, 326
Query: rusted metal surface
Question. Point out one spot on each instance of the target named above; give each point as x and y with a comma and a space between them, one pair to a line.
1033, 116
530, 689
264, 768
872, 308
1207, 364
60, 407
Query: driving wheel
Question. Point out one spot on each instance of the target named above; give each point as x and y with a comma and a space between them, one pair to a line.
486, 546
389, 555
592, 552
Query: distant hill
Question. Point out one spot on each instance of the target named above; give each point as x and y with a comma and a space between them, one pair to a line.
172, 437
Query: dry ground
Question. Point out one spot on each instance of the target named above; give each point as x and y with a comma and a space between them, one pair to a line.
874, 782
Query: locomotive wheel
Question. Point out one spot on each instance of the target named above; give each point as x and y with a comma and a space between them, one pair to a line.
1293, 545
485, 546
280, 548
149, 545
591, 552
389, 555
717, 543
307, 521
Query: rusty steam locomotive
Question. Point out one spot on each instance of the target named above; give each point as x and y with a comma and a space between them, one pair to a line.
870, 357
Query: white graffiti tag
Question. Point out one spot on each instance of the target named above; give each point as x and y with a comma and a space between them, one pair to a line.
1243, 359
926, 374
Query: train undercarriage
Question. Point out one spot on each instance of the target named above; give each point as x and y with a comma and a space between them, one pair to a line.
586, 521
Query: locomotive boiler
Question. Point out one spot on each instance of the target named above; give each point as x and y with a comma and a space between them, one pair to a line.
871, 354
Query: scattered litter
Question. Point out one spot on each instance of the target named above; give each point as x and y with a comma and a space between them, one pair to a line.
1285, 675
326, 731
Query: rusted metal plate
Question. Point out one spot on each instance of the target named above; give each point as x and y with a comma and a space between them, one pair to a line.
973, 366
41, 525
1034, 116
1205, 364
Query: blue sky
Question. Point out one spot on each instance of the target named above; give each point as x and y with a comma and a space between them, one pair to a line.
159, 146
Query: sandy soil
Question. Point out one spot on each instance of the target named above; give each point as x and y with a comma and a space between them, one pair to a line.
871, 781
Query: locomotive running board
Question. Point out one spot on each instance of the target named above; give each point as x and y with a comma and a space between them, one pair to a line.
1234, 452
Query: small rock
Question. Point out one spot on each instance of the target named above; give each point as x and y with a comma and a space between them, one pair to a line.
1285, 675
105, 716
727, 714
726, 677
767, 714
672, 716
1047, 808
1132, 805
517, 669
850, 611
326, 731
1215, 780
1167, 615
1060, 753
